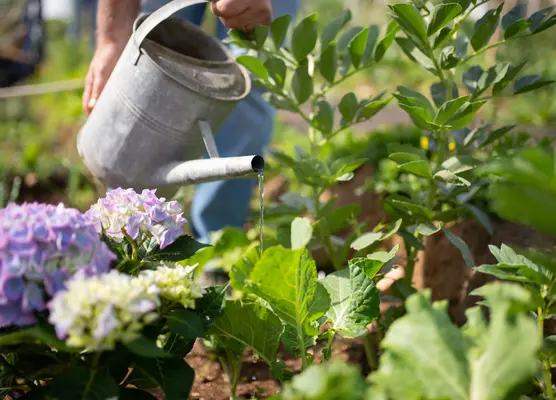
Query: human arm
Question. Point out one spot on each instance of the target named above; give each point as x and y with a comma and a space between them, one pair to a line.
114, 27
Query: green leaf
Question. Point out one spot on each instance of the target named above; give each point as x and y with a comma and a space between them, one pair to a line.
304, 37
449, 109
485, 28
173, 375
518, 12
276, 71
254, 65
415, 54
413, 98
354, 301
80, 382
383, 46
279, 29
366, 240
448, 58
537, 19
529, 83
442, 37
324, 117
372, 264
370, 109
516, 29
449, 177
302, 84
210, 306
402, 158
442, 14
331, 31
181, 249
249, 324
260, 34
420, 168
287, 281
410, 20
497, 134
301, 233
357, 47
461, 246
328, 64
186, 324
481, 217
488, 369
348, 107
44, 334
145, 347
465, 114
346, 38
471, 78
415, 210
428, 229
500, 273
549, 23
510, 75
372, 39
439, 91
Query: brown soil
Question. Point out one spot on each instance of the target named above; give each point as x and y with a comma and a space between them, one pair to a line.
211, 382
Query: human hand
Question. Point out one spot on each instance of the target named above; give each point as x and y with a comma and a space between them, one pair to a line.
102, 65
243, 14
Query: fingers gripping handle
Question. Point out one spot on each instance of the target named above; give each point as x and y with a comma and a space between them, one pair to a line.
157, 17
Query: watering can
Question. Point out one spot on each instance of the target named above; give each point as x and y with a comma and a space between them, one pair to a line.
173, 86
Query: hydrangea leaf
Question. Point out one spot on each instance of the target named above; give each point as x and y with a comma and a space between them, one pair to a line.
249, 324
184, 247
354, 301
80, 382
287, 281
174, 376
186, 323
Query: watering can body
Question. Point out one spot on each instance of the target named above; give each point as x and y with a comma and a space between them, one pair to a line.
173, 86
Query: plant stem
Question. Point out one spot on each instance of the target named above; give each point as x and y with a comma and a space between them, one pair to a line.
301, 338
546, 364
94, 368
369, 347
341, 80
134, 246
479, 52
325, 237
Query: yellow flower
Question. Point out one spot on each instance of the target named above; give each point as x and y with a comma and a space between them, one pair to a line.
424, 143
452, 146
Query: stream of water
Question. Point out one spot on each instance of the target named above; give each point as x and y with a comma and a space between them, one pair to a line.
261, 207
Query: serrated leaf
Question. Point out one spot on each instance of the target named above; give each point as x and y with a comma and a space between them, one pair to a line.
328, 64
302, 84
304, 37
442, 14
333, 28
348, 107
529, 83
287, 281
461, 246
249, 324
254, 65
186, 324
279, 29
354, 301
420, 168
301, 233
485, 28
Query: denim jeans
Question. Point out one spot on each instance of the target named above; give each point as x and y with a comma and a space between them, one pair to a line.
247, 131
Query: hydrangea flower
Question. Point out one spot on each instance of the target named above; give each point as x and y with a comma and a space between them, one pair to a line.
95, 313
145, 213
175, 283
41, 247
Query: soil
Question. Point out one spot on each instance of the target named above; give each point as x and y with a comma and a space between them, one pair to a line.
211, 382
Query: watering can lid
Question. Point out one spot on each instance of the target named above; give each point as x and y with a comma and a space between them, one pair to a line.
221, 79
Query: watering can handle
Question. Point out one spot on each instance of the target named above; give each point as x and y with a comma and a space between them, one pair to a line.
158, 17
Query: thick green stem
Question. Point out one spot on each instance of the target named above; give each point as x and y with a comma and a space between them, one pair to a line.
301, 338
134, 246
94, 369
369, 352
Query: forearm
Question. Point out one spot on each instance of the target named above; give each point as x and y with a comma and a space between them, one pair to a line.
115, 20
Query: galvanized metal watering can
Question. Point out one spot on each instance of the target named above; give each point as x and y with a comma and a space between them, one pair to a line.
173, 86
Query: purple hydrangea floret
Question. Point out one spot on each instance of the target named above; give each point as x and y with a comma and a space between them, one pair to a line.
125, 212
41, 247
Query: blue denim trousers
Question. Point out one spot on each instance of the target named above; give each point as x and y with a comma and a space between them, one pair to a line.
247, 131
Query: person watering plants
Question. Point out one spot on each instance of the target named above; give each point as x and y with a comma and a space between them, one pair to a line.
248, 130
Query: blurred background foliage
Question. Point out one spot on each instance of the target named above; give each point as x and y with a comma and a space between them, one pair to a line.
38, 133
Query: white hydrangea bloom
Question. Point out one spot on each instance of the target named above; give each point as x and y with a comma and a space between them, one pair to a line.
175, 282
96, 312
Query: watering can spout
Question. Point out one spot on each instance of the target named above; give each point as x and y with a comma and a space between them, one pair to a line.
207, 170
